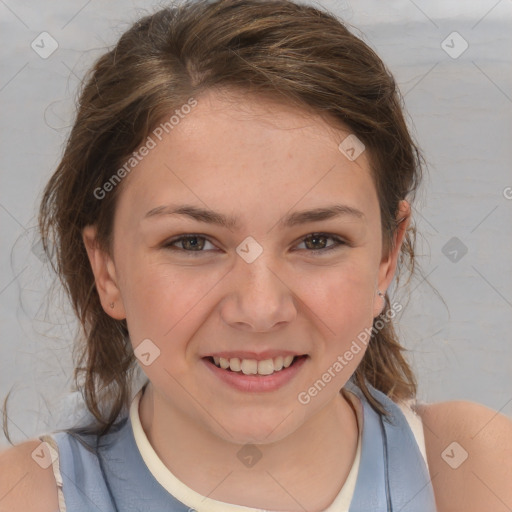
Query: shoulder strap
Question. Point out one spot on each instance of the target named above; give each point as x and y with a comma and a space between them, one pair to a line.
83, 486
393, 476
130, 483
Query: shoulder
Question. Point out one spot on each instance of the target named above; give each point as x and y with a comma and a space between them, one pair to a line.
469, 452
25, 484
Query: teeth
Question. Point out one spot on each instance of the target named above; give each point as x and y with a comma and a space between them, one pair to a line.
234, 364
287, 361
253, 367
249, 366
266, 367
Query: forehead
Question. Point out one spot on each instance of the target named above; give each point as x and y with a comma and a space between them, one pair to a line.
248, 154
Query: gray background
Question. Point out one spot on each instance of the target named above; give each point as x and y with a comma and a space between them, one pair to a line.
459, 110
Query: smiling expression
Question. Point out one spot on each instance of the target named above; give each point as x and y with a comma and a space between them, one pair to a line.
247, 234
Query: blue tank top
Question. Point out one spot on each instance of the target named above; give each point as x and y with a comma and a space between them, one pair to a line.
108, 474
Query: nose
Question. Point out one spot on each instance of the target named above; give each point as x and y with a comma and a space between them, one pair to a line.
260, 298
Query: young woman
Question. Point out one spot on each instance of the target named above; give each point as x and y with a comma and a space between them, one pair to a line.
233, 204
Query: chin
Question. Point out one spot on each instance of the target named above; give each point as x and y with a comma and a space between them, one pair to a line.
256, 428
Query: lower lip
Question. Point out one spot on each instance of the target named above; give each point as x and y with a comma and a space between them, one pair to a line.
256, 383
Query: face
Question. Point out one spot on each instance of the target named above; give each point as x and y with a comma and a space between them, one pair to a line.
254, 277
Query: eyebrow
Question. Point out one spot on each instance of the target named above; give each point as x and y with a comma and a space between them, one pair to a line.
229, 222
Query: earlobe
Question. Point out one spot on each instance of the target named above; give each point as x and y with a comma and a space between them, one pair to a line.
104, 272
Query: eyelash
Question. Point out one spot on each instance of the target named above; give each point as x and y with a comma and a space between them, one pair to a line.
339, 242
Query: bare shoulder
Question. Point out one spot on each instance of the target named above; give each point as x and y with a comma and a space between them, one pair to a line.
24, 483
469, 452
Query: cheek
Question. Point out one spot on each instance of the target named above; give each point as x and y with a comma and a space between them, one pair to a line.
346, 292
343, 301
167, 304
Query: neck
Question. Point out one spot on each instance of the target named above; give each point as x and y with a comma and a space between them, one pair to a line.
305, 470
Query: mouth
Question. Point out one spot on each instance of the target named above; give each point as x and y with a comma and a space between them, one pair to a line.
259, 368
255, 376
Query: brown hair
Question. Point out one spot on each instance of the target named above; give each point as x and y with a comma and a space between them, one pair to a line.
294, 53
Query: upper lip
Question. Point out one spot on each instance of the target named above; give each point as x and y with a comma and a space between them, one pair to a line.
258, 356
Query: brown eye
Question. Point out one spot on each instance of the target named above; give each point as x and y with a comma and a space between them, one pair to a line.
317, 242
188, 243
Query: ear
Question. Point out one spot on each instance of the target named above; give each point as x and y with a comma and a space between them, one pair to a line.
389, 260
104, 275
